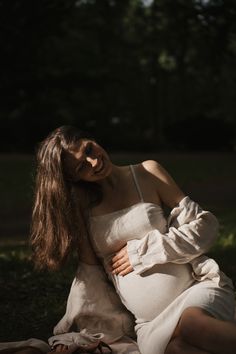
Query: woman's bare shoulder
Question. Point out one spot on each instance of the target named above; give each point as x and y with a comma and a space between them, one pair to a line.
167, 188
155, 169
151, 166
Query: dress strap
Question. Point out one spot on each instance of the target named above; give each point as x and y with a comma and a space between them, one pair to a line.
136, 183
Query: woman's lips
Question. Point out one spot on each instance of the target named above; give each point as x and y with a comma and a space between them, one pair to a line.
100, 167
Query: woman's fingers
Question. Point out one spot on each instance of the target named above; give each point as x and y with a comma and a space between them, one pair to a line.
61, 347
126, 271
120, 268
119, 254
120, 263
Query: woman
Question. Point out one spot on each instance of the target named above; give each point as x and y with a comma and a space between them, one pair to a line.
113, 215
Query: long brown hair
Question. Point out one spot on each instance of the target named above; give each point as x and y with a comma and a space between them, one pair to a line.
58, 216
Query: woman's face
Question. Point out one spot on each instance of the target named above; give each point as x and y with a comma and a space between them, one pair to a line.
88, 162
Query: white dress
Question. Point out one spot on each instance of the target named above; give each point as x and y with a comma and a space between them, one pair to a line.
156, 294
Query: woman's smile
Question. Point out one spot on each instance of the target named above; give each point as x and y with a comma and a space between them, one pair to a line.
100, 167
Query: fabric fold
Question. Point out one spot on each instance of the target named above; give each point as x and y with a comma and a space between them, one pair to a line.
191, 232
31, 342
94, 305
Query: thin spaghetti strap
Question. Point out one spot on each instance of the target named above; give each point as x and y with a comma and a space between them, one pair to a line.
136, 183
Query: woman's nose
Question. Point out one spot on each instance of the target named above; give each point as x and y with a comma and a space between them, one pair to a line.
93, 162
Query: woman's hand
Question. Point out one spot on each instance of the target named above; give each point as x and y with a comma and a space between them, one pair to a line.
120, 264
61, 348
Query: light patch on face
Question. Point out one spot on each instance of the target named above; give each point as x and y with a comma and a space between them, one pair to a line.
88, 161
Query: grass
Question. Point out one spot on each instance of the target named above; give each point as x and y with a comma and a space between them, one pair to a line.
31, 303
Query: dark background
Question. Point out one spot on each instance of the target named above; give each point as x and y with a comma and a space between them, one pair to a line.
150, 79
140, 75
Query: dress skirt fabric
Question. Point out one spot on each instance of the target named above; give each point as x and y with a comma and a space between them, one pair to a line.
153, 336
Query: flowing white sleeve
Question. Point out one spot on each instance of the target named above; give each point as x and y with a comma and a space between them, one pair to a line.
191, 232
93, 304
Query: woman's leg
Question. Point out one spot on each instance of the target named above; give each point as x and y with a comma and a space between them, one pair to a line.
178, 346
198, 329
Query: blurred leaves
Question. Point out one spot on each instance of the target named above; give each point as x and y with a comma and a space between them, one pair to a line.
85, 62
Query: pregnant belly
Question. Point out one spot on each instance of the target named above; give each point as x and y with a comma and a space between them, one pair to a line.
148, 294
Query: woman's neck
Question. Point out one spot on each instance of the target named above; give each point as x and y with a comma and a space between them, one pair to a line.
117, 176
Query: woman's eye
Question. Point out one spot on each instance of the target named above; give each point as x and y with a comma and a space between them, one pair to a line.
88, 149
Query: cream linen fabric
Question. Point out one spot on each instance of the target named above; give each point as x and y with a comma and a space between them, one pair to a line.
190, 232
75, 340
93, 304
170, 274
31, 342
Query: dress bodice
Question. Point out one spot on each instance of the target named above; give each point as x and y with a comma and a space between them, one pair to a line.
110, 232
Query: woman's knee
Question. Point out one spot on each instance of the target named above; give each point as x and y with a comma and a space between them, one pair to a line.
176, 346
193, 323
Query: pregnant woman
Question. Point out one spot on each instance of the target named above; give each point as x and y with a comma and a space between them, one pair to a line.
137, 268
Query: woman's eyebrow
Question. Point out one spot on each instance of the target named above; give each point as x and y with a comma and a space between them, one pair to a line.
80, 162
80, 159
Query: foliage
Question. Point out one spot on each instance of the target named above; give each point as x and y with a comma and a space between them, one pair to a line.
126, 70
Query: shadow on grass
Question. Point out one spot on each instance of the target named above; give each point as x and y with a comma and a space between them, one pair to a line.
31, 302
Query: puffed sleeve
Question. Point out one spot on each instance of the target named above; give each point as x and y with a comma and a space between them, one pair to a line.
94, 305
191, 232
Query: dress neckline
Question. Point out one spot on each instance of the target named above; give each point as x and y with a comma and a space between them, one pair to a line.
140, 202
126, 209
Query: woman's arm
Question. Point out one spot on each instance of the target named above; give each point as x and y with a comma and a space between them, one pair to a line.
180, 244
163, 184
86, 253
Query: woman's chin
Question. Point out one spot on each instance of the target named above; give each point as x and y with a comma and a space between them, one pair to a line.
104, 172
